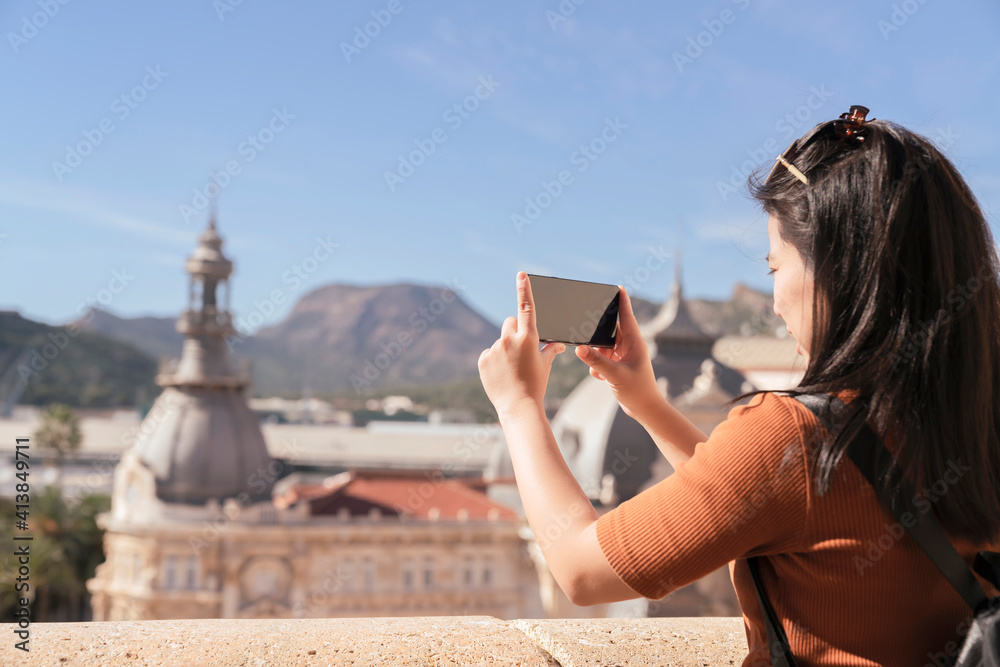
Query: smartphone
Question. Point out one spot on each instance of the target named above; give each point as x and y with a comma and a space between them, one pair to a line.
575, 312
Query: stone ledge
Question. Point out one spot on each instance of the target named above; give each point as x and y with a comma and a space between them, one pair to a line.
639, 641
432, 640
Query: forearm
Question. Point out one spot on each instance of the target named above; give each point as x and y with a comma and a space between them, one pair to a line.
554, 504
674, 434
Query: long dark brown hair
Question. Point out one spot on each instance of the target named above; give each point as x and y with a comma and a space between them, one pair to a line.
907, 310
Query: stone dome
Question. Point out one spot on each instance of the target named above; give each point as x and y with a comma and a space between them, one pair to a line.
200, 439
208, 444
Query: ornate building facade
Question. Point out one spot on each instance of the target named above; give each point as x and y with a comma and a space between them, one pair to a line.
204, 523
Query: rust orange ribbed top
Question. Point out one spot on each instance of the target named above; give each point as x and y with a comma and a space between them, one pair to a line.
850, 586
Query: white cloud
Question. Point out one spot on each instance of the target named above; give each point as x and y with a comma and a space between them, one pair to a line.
88, 207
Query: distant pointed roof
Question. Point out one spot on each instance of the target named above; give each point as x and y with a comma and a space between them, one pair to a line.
673, 322
208, 258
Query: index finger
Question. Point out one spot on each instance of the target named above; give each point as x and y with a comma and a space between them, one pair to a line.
525, 305
626, 318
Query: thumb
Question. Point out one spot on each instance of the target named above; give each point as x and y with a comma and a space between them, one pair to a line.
550, 351
593, 358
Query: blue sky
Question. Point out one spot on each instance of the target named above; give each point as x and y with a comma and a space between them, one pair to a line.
624, 123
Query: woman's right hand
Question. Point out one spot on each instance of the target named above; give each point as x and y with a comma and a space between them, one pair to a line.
627, 368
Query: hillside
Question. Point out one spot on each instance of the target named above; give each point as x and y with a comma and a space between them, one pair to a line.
356, 341
84, 370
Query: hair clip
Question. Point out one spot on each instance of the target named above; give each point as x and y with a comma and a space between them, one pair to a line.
851, 126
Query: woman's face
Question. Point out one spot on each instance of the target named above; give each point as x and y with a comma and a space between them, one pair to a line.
793, 288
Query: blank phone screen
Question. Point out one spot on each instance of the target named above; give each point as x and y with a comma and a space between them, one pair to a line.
574, 311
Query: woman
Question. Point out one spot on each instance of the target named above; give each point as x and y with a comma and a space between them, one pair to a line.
873, 226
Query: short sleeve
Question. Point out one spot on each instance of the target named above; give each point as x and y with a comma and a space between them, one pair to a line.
745, 492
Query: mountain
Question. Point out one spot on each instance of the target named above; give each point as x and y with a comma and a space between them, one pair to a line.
342, 337
156, 336
747, 312
41, 364
352, 340
347, 336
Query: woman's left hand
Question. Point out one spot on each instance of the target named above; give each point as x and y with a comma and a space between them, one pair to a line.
514, 370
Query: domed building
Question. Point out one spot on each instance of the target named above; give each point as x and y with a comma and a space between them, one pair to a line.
609, 453
204, 523
209, 443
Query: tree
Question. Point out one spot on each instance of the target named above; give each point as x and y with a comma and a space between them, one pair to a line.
60, 430
66, 547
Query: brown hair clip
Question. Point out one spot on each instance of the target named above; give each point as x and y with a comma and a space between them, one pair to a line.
851, 126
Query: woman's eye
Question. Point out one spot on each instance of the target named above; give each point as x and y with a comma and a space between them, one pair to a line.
771, 271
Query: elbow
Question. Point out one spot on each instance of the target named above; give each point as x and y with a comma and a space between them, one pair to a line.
579, 591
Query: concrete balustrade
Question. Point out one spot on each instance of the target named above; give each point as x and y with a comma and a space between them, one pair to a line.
435, 640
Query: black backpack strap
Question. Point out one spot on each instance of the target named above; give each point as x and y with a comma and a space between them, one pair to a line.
777, 642
987, 566
871, 457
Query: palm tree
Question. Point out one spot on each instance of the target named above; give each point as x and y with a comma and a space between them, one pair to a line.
65, 551
60, 430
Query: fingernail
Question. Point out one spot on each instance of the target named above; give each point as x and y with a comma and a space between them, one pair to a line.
584, 351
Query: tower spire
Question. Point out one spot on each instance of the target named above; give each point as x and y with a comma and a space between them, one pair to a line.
211, 215
678, 287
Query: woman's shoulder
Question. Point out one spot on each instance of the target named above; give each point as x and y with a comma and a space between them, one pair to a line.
778, 406
768, 430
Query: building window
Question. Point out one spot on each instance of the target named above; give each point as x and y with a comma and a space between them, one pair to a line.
169, 573
408, 574
346, 575
192, 573
369, 573
469, 572
488, 572
429, 574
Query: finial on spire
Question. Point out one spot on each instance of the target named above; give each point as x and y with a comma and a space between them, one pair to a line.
211, 215
677, 271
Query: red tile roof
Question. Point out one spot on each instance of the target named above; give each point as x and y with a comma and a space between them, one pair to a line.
413, 496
